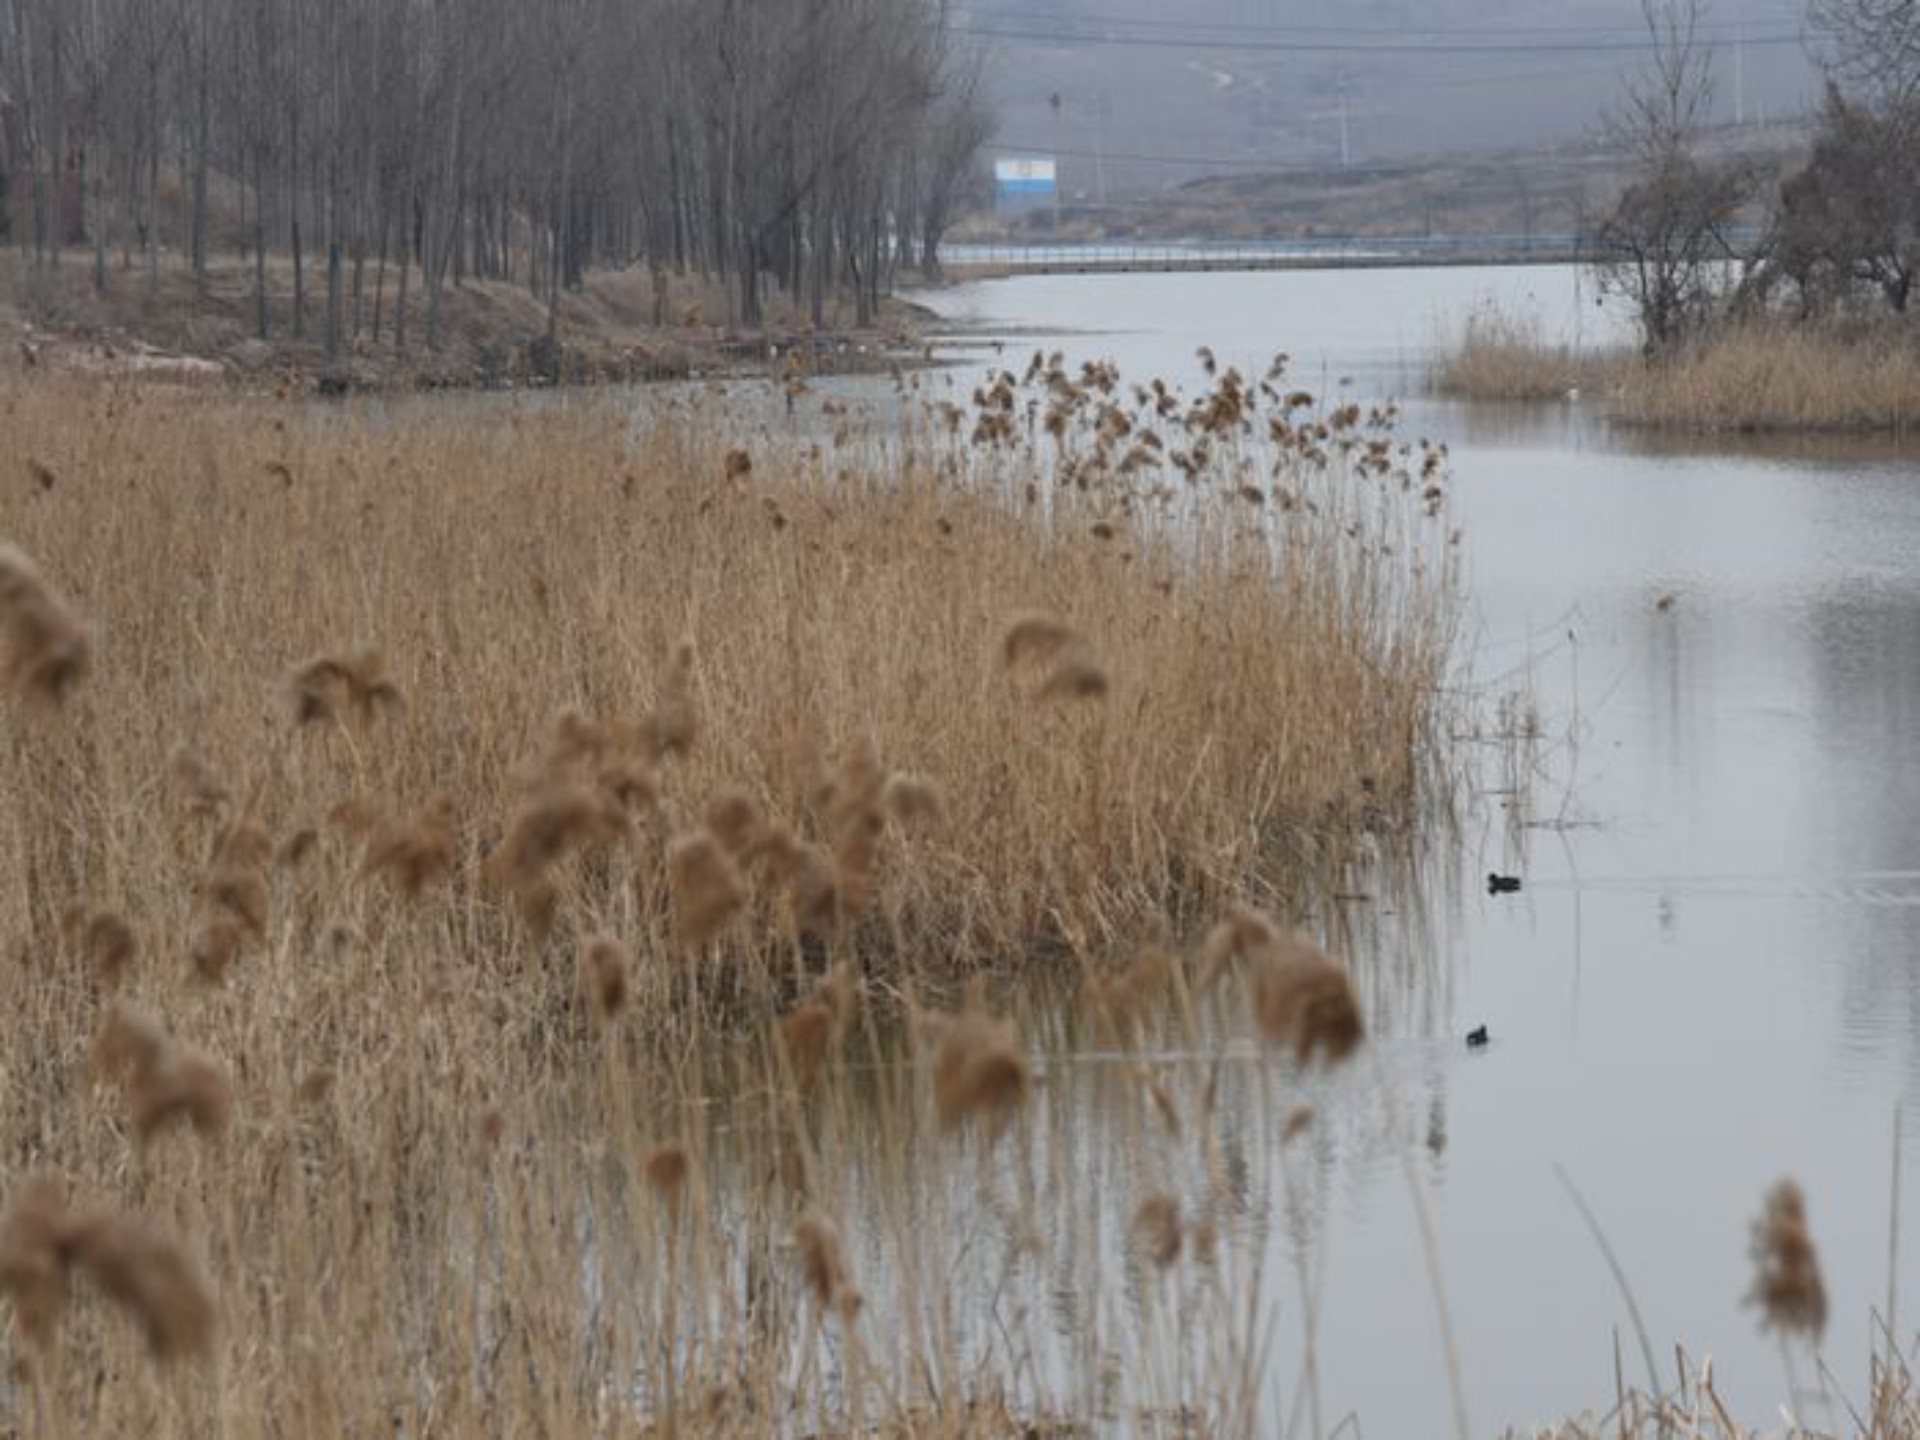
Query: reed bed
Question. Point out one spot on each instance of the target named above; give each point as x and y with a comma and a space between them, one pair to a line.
526, 920
1500, 355
1756, 376
1768, 375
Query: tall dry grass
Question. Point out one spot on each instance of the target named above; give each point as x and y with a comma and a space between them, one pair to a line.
489, 891
1754, 376
1770, 375
1500, 355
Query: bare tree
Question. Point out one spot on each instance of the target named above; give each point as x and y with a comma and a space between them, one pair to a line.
1850, 219
1667, 242
1870, 45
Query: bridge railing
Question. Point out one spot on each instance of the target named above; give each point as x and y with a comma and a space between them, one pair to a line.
1307, 250
1328, 248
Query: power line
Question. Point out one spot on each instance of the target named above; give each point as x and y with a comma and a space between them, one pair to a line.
1015, 19
1341, 47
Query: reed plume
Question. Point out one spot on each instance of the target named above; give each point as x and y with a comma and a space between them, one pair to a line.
1124, 998
1787, 1285
980, 1073
667, 1167
1304, 1002
708, 890
165, 1081
734, 820
823, 1264
47, 649
36, 1254
558, 819
811, 1034
314, 1087
604, 967
354, 684
855, 820
1158, 1228
295, 850
44, 1241
913, 803
674, 725
1036, 637
1059, 652
105, 944
413, 851
1245, 931
1074, 678
616, 758
807, 1036
231, 903
151, 1278
205, 794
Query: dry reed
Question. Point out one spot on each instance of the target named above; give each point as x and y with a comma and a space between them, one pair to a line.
1770, 375
667, 1168
44, 649
164, 1080
413, 851
1157, 1226
1504, 356
105, 944
652, 712
1787, 1286
980, 1074
333, 686
43, 1241
823, 1264
604, 968
1305, 1003
708, 890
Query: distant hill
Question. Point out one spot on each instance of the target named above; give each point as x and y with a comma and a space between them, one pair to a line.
1151, 97
1542, 190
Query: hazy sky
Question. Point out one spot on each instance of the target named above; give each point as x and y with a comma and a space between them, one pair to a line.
1153, 94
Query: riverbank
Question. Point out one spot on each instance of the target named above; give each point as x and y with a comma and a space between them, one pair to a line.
1756, 377
493, 335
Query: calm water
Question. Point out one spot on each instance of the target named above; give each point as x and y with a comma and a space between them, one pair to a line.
1712, 978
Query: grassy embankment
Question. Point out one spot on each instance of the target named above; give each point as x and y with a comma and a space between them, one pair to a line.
1754, 377
467, 881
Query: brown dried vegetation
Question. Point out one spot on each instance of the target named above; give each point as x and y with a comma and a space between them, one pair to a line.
1787, 1286
811, 748
44, 649
43, 1241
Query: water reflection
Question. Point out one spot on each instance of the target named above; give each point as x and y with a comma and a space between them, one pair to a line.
1709, 979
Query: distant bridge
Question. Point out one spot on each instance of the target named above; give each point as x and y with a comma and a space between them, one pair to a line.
1318, 253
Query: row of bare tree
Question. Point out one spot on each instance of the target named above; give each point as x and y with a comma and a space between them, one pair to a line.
813, 145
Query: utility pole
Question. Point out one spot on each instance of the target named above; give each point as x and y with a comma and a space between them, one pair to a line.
1104, 113
1053, 101
1740, 67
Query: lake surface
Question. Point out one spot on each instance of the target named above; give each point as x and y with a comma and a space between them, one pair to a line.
1712, 977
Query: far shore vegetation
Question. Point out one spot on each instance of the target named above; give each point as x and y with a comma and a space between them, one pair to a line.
1762, 375
1762, 303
